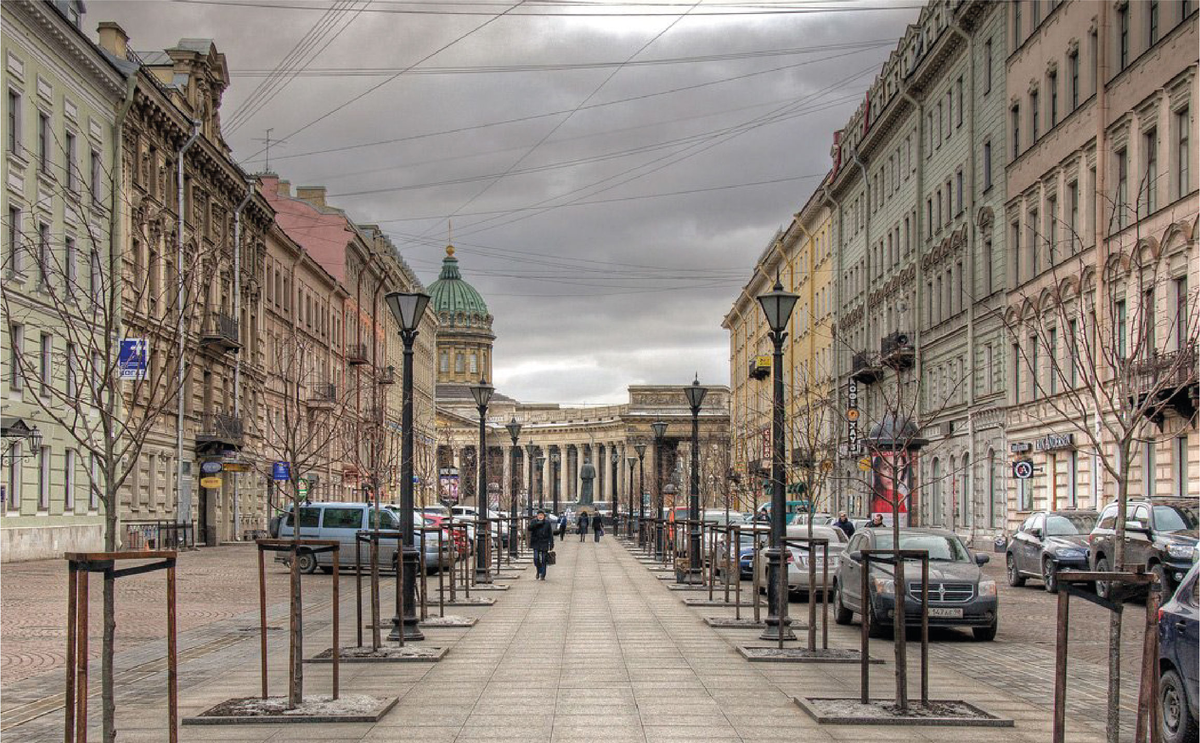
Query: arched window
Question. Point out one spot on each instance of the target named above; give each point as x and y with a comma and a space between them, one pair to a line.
474, 363
444, 362
458, 363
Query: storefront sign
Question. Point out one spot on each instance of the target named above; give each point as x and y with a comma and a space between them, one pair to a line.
1055, 441
852, 448
1020, 447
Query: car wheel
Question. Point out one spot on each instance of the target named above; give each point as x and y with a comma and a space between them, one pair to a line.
1175, 717
307, 562
841, 614
877, 629
1050, 575
986, 634
1103, 587
1014, 575
327, 569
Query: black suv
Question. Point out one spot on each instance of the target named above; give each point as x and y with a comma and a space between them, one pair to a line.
1047, 542
1160, 534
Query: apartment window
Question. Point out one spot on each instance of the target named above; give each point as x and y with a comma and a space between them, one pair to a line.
959, 90
1033, 367
1014, 231
1150, 177
1073, 350
44, 479
1185, 9
1182, 156
1073, 478
1052, 84
939, 208
1052, 229
14, 240
1149, 469
69, 480
1181, 312
1035, 14
1031, 226
1034, 116
45, 363
72, 259
1073, 70
949, 112
987, 66
93, 480
94, 282
1152, 21
1148, 325
1052, 357
474, 364
1119, 329
43, 258
1181, 466
958, 192
72, 170
929, 128
1016, 372
16, 334
940, 121
72, 373
1122, 199
939, 314
1122, 37
1073, 213
1015, 116
929, 217
989, 366
94, 160
459, 364
1016, 24
14, 122
44, 142
16, 457
987, 266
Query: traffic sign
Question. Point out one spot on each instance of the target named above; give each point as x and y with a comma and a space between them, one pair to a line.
1022, 469
864, 464
281, 471
302, 488
133, 358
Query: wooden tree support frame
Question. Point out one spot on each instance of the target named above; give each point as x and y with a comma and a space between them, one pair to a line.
1147, 710
79, 566
809, 543
293, 546
895, 557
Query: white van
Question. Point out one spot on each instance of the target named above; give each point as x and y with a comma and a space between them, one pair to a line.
341, 521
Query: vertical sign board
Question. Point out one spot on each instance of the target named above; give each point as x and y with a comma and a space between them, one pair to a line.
280, 471
852, 418
133, 359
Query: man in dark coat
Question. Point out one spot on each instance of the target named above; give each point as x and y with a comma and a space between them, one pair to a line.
845, 524
541, 541
583, 524
597, 526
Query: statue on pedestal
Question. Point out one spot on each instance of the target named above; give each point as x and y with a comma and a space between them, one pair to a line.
587, 473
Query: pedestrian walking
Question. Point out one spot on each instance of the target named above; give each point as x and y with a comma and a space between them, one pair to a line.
583, 525
562, 527
541, 541
598, 526
876, 520
845, 524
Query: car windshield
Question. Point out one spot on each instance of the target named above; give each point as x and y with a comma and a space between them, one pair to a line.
940, 548
1065, 525
1174, 518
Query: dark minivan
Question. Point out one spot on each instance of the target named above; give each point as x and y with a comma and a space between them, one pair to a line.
1178, 648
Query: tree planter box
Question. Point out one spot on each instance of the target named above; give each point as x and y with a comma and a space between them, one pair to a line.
273, 710
729, 622
940, 713
770, 654
409, 653
473, 601
450, 621
716, 602
490, 587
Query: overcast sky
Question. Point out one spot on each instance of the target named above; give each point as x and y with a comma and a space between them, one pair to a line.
611, 171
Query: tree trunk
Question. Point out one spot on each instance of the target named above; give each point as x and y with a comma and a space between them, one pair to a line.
296, 675
108, 700
1113, 721
900, 594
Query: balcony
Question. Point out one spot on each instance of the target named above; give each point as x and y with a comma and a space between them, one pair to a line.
897, 351
387, 375
323, 397
219, 428
865, 369
1166, 380
356, 354
220, 331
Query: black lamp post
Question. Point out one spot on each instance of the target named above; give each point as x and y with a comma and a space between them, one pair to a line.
514, 430
615, 457
541, 486
695, 397
777, 305
629, 522
407, 308
641, 452
482, 393
555, 463
660, 431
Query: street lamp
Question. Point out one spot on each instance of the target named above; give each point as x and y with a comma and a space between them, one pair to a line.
541, 486
555, 462
629, 522
640, 448
514, 430
777, 305
408, 309
17, 432
660, 431
695, 397
616, 489
482, 393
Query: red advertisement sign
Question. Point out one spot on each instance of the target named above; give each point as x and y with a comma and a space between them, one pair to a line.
891, 485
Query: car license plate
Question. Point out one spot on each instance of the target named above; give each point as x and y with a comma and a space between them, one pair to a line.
942, 613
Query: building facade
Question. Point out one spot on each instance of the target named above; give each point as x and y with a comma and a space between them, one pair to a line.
57, 198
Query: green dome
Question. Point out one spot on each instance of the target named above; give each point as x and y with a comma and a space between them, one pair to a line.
454, 299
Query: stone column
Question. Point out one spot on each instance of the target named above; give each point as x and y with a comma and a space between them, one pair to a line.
598, 459
506, 484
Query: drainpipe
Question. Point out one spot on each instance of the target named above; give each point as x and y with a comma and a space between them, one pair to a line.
835, 210
183, 509
115, 249
237, 316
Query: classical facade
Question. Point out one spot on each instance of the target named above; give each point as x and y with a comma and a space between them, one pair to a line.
57, 199
1101, 203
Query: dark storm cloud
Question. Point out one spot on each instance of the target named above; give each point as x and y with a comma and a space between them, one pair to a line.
587, 298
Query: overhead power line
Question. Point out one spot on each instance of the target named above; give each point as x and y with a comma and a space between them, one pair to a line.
571, 12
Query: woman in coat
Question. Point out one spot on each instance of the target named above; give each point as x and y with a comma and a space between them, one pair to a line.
583, 525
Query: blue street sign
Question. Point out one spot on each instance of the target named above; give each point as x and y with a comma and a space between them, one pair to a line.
133, 358
281, 471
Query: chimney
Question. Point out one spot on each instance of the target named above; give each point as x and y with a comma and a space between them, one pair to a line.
113, 39
285, 188
314, 195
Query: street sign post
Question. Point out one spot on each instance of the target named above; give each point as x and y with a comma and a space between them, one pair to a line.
133, 358
281, 471
1022, 469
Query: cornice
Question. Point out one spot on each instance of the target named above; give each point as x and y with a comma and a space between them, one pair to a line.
71, 41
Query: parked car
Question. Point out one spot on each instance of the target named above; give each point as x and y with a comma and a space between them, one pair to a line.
960, 595
745, 556
1160, 535
1047, 542
461, 545
1178, 648
342, 521
798, 558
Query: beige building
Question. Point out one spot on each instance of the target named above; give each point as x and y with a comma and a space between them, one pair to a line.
1102, 102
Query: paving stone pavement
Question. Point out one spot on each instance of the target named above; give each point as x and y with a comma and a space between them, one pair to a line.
601, 651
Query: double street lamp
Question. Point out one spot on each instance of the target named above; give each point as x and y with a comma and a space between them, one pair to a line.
482, 393
555, 462
514, 430
640, 448
407, 308
660, 431
695, 397
541, 485
615, 457
777, 305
